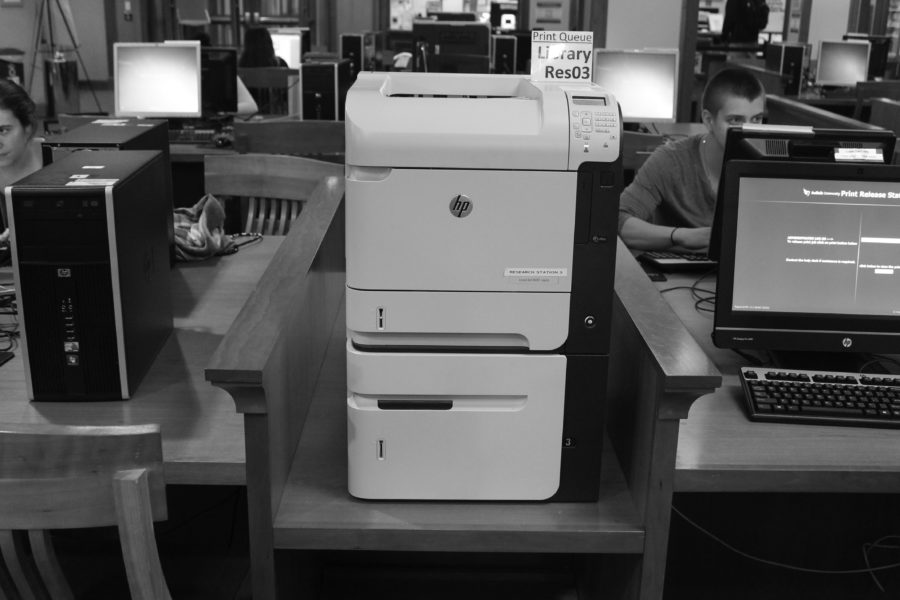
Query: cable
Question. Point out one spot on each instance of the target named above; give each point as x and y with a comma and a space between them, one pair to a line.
702, 303
765, 561
878, 544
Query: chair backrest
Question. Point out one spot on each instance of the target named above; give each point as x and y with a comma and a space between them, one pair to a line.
64, 477
866, 90
272, 187
275, 89
886, 113
311, 138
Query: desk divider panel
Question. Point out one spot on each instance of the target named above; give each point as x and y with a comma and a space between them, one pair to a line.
270, 358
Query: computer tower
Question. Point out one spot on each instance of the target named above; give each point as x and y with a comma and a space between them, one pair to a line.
788, 59
325, 85
119, 133
353, 48
110, 133
503, 53
89, 244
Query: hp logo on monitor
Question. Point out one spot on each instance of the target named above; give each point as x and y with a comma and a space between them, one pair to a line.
847, 342
460, 206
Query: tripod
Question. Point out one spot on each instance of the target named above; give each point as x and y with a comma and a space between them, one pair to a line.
45, 11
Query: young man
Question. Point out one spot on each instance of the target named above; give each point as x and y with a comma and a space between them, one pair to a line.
670, 203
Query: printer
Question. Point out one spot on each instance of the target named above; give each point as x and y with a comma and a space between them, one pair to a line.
480, 245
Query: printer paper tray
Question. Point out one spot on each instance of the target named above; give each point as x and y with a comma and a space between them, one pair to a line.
454, 426
528, 320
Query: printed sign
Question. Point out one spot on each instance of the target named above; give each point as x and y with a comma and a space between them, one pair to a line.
562, 56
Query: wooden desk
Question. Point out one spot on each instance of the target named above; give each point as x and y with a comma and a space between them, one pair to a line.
721, 450
202, 435
283, 363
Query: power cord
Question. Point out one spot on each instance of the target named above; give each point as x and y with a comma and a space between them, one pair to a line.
704, 299
866, 547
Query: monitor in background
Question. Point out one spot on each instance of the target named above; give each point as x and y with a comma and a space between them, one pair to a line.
880, 48
441, 15
770, 143
842, 63
290, 44
810, 264
157, 79
452, 46
218, 80
645, 82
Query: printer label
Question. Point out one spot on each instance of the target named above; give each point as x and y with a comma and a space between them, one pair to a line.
562, 55
535, 274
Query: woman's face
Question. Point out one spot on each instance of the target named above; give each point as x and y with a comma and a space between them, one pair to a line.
14, 139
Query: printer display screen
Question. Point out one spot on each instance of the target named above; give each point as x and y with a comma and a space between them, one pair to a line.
594, 101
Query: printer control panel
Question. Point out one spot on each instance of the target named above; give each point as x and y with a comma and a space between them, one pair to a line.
594, 129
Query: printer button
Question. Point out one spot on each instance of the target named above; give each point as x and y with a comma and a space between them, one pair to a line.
578, 134
586, 136
587, 147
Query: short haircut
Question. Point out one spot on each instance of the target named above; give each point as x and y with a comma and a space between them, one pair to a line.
17, 101
734, 82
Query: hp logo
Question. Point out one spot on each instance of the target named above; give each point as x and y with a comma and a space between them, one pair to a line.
460, 206
847, 342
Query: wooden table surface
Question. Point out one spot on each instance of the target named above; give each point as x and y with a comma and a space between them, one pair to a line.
721, 450
203, 435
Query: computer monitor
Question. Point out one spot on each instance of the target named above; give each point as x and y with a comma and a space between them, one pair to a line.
842, 63
880, 48
157, 79
218, 80
290, 44
810, 261
452, 46
772, 143
645, 82
444, 15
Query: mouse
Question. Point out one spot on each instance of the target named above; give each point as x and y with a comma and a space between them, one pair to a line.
222, 141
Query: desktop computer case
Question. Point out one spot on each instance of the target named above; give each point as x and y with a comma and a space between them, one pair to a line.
788, 59
478, 344
117, 133
110, 133
89, 245
325, 85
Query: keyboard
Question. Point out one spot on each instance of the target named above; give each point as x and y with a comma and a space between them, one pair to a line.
665, 260
822, 397
192, 136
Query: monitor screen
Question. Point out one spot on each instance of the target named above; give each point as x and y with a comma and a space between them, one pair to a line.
645, 82
157, 79
879, 50
810, 258
218, 78
797, 144
842, 63
451, 46
290, 43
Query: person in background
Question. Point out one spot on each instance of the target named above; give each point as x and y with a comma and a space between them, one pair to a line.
20, 150
670, 203
259, 52
744, 19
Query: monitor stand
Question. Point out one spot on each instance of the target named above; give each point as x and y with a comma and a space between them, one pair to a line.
849, 362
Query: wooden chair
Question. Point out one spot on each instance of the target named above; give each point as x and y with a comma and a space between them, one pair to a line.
866, 90
886, 113
311, 138
64, 477
271, 187
275, 89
